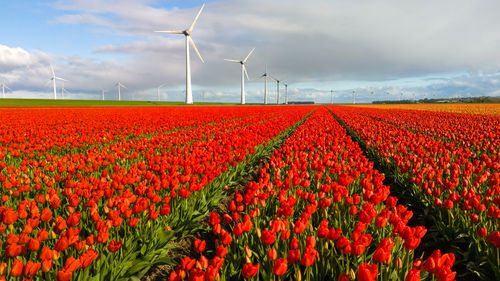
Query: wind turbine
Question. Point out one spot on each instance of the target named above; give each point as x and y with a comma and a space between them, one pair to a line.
159, 90
265, 75
3, 89
63, 90
102, 93
54, 78
119, 85
286, 92
187, 33
243, 73
353, 97
331, 96
277, 90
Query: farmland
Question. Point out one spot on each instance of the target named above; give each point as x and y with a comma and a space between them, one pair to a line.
258, 192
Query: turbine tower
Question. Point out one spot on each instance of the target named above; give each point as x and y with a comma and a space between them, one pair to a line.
265, 75
187, 34
64, 90
331, 96
353, 97
54, 78
119, 85
159, 90
277, 90
243, 73
102, 93
286, 93
3, 89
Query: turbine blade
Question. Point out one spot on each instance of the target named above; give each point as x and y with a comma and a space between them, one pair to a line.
196, 19
52, 70
7, 87
195, 49
245, 60
171, 31
59, 78
245, 70
237, 61
162, 85
123, 86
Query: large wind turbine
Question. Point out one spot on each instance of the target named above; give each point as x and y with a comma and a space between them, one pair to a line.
187, 33
159, 90
119, 85
3, 89
54, 78
243, 73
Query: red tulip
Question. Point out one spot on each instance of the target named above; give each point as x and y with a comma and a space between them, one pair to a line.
199, 245
31, 268
249, 270
367, 272
17, 268
114, 246
413, 275
280, 267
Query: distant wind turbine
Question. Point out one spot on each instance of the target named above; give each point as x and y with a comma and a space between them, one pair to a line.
265, 75
353, 97
187, 33
3, 89
286, 93
119, 85
159, 90
243, 73
277, 90
64, 90
331, 96
102, 93
54, 78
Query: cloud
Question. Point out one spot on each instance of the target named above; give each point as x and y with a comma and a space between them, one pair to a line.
12, 58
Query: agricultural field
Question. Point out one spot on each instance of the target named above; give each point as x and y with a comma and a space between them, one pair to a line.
249, 193
488, 109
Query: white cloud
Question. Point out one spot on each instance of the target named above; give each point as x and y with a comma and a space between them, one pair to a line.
12, 58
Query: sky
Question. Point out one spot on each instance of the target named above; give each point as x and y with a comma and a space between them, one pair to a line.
386, 49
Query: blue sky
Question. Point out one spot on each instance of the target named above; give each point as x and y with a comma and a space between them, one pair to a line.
388, 46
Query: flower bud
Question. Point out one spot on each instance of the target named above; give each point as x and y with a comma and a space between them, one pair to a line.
352, 274
248, 251
399, 263
298, 275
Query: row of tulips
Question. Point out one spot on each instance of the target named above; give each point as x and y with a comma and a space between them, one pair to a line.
478, 133
42, 133
111, 211
461, 188
319, 211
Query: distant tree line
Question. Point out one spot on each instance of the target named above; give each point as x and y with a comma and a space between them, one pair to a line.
443, 100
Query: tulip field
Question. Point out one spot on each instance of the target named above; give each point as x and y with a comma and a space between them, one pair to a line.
255, 192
